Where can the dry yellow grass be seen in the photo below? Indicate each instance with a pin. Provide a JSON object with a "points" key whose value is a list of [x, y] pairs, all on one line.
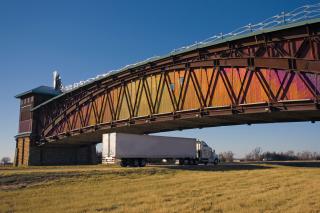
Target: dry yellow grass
{"points": [[224, 188]]}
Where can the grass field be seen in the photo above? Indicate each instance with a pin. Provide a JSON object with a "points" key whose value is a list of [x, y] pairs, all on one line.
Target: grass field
{"points": [[276, 187]]}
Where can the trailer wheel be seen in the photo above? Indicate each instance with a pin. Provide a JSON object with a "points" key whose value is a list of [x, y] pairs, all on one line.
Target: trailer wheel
{"points": [[131, 162], [136, 162], [123, 163], [194, 162], [142, 162], [189, 162], [181, 161]]}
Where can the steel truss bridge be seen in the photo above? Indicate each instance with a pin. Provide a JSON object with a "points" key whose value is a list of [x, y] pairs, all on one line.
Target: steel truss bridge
{"points": [[261, 76]]}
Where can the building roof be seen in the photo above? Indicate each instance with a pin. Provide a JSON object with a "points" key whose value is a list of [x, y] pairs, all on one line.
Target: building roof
{"points": [[42, 90]]}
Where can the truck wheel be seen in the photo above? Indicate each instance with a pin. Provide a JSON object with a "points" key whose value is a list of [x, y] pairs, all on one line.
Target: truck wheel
{"points": [[123, 163], [196, 162], [142, 162], [131, 162], [216, 161], [136, 163], [190, 162], [181, 161]]}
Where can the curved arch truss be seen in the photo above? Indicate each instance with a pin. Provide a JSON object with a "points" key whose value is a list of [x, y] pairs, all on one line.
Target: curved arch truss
{"points": [[270, 77]]}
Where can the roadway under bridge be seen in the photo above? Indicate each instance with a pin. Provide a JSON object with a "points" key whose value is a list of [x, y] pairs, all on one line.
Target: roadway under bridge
{"points": [[265, 76]]}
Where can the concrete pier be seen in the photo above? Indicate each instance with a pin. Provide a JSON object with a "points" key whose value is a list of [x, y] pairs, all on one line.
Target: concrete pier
{"points": [[29, 154]]}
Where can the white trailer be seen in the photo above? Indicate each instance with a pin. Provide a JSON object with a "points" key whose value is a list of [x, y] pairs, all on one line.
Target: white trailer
{"points": [[137, 150]]}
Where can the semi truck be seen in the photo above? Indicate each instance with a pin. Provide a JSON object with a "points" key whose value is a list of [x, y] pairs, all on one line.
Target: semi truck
{"points": [[137, 150]]}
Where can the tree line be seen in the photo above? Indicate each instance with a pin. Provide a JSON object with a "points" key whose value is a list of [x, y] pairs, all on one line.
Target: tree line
{"points": [[258, 155]]}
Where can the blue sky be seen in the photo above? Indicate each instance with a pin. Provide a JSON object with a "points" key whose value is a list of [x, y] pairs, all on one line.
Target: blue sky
{"points": [[84, 38]]}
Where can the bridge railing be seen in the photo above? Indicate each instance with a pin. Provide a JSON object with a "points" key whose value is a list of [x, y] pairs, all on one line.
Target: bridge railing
{"points": [[303, 13]]}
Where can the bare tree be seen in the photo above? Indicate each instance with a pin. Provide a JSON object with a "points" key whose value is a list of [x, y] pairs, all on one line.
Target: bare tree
{"points": [[249, 157], [305, 155], [290, 153], [226, 156], [221, 157], [315, 156], [5, 160], [255, 154]]}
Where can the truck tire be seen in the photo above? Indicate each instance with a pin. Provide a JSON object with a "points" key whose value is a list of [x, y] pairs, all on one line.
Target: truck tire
{"points": [[194, 162], [181, 161], [134, 162], [131, 162], [137, 162], [216, 161], [142, 162], [190, 162], [123, 163]]}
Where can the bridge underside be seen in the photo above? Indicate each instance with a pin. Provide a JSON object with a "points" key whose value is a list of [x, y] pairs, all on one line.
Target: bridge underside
{"points": [[224, 117]]}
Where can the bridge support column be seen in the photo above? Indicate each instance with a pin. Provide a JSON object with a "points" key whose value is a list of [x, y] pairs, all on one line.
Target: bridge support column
{"points": [[22, 151], [29, 154]]}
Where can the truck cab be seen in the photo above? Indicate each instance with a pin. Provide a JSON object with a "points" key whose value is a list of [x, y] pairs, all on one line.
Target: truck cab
{"points": [[206, 154]]}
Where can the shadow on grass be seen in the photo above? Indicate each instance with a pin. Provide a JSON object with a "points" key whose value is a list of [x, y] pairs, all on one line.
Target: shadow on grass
{"points": [[17, 181], [220, 167], [306, 164]]}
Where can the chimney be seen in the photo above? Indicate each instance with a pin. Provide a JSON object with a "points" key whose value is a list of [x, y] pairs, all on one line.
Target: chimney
{"points": [[57, 84]]}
